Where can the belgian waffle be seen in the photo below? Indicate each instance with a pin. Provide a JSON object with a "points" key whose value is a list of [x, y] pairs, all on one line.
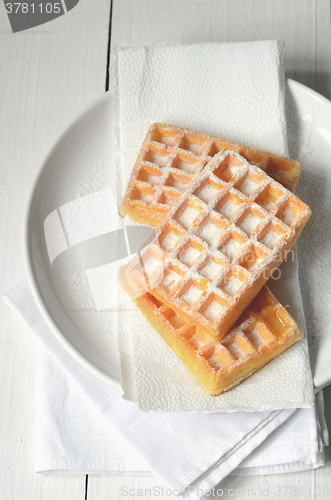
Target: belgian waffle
{"points": [[220, 243], [263, 332], [169, 159]]}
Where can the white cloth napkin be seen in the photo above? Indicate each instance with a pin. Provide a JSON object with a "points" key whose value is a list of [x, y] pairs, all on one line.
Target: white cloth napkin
{"points": [[84, 426], [236, 91]]}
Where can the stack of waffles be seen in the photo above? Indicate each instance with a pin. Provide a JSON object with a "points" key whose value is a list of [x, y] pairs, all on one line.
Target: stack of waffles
{"points": [[225, 217]]}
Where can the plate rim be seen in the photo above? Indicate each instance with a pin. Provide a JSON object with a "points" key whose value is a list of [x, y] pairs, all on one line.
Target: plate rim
{"points": [[297, 86]]}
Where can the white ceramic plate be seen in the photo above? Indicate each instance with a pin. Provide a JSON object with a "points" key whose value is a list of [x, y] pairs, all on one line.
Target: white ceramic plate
{"points": [[77, 165], [63, 195]]}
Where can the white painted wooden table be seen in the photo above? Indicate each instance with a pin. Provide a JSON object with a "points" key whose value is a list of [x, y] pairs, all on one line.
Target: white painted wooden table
{"points": [[47, 74]]}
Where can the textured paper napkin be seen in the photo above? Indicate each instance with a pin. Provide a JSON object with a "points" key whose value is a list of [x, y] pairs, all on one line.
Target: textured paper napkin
{"points": [[235, 91]]}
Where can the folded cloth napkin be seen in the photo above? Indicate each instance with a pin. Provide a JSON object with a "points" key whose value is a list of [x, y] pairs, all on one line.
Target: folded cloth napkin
{"points": [[84, 426], [231, 90]]}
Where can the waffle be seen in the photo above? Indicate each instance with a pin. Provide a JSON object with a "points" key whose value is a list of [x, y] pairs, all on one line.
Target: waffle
{"points": [[220, 243], [263, 332], [169, 159]]}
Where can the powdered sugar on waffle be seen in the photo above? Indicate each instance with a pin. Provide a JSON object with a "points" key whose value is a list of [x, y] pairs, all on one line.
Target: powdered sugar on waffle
{"points": [[230, 240], [171, 157]]}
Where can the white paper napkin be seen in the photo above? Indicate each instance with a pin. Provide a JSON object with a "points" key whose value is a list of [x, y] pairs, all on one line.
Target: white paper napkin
{"points": [[83, 426], [235, 91]]}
